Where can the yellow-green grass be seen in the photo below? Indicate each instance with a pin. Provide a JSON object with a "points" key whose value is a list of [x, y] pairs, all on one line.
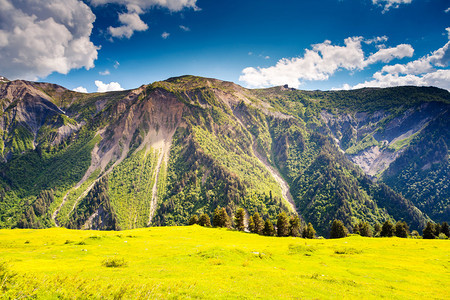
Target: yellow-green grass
{"points": [[197, 262]]}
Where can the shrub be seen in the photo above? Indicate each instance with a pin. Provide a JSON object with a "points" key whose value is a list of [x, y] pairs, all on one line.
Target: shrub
{"points": [[114, 262]]}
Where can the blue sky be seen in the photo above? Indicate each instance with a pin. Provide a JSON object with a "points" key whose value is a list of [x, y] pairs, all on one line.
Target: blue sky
{"points": [[101, 45]]}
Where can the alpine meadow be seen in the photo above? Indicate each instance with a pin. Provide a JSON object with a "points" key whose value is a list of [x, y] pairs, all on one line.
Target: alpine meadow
{"points": [[306, 157]]}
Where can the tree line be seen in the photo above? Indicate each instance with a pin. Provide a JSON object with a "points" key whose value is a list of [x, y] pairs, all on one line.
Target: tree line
{"points": [[292, 226]]}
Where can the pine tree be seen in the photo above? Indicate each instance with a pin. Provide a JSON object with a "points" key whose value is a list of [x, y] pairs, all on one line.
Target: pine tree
{"points": [[204, 220], [401, 229], [338, 230], [377, 229], [282, 225], [268, 228], [193, 220], [294, 226], [259, 223], [239, 219], [309, 232], [428, 231], [365, 229], [445, 229], [221, 218], [251, 224], [387, 230]]}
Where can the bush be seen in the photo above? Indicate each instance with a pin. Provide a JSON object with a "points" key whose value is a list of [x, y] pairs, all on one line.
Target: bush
{"points": [[442, 236], [114, 262]]}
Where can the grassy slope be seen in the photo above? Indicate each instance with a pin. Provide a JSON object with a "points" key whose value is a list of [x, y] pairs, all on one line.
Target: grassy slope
{"points": [[196, 262]]}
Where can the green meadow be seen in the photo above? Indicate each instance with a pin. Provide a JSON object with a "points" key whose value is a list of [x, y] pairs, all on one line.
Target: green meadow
{"points": [[196, 262]]}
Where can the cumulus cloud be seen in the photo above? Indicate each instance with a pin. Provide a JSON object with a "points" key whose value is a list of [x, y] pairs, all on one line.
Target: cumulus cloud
{"points": [[429, 70], [80, 89], [320, 62], [165, 35], [131, 20], [388, 4], [107, 87], [38, 37], [131, 23]]}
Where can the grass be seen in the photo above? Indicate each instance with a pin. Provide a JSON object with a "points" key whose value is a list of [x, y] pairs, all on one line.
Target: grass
{"points": [[196, 262]]}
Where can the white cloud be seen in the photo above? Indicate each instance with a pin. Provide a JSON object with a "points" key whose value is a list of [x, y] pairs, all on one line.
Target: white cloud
{"points": [[38, 37], [447, 10], [104, 73], [80, 89], [172, 5], [131, 23], [388, 54], [376, 40], [184, 28], [116, 64], [131, 20], [165, 35], [388, 4], [429, 70], [107, 87], [320, 62]]}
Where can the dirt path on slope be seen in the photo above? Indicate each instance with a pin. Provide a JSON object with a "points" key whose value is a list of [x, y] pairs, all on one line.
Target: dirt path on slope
{"points": [[279, 179]]}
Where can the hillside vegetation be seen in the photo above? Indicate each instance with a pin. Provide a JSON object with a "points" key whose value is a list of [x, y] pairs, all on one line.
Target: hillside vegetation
{"points": [[158, 154], [196, 262]]}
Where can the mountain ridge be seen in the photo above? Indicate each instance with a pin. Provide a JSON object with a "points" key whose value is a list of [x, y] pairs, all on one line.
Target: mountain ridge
{"points": [[200, 143]]}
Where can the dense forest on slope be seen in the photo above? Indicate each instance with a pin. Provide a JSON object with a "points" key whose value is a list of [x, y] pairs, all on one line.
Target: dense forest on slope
{"points": [[158, 154]]}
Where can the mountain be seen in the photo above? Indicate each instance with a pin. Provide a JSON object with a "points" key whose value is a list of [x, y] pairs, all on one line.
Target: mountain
{"points": [[157, 154]]}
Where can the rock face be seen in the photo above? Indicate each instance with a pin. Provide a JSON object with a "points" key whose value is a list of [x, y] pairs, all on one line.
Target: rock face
{"points": [[157, 154], [373, 141]]}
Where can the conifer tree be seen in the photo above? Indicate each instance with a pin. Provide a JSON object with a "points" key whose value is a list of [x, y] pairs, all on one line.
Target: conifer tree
{"points": [[365, 229], [259, 223], [377, 229], [221, 218], [309, 232], [338, 230], [268, 228], [428, 231], [445, 229], [204, 220], [282, 225], [251, 224], [239, 219], [294, 226], [387, 230], [401, 229], [193, 220]]}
